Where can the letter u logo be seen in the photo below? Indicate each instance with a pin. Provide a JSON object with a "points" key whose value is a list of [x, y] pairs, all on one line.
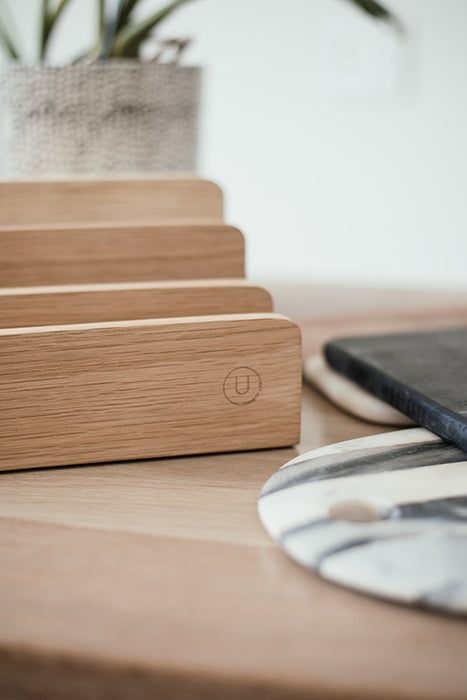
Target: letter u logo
{"points": [[242, 384]]}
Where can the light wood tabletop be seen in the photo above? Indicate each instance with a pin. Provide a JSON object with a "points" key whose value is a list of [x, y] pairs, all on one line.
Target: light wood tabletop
{"points": [[155, 579]]}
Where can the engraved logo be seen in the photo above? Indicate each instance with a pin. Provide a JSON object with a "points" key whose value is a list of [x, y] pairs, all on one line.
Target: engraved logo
{"points": [[242, 385]]}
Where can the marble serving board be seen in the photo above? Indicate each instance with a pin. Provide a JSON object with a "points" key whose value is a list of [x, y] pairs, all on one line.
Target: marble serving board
{"points": [[348, 396], [386, 515]]}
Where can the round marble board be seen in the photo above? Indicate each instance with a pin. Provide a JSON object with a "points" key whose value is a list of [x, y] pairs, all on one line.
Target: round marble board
{"points": [[386, 515]]}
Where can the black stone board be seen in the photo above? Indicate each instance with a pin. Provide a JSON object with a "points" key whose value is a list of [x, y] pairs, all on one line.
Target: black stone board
{"points": [[423, 375]]}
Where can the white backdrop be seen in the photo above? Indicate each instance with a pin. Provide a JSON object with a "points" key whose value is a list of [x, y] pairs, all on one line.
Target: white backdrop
{"points": [[341, 148]]}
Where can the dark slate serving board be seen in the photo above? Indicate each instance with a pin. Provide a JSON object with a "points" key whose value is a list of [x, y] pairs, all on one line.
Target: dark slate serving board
{"points": [[423, 375]]}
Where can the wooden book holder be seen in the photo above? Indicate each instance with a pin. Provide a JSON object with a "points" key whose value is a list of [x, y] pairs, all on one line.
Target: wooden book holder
{"points": [[125, 331], [105, 254], [94, 303], [116, 200], [126, 390]]}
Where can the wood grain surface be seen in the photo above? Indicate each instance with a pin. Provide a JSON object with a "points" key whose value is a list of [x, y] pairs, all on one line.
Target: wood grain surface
{"points": [[115, 200], [42, 306], [155, 579], [96, 392], [105, 254]]}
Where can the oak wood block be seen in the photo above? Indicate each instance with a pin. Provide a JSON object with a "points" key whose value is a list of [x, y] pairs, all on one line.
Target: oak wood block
{"points": [[133, 200], [49, 306], [138, 389], [105, 254]]}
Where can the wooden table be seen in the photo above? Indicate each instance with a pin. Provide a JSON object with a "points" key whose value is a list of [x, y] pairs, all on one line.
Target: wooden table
{"points": [[155, 579]]}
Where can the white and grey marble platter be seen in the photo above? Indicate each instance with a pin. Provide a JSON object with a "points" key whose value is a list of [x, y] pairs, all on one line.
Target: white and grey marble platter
{"points": [[386, 515], [346, 394]]}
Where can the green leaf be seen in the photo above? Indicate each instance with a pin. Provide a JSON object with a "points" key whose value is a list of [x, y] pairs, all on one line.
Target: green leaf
{"points": [[379, 12], [127, 12], [6, 38], [50, 14], [111, 12], [129, 39]]}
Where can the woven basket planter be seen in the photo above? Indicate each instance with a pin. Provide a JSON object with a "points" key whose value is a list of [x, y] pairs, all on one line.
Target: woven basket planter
{"points": [[113, 117]]}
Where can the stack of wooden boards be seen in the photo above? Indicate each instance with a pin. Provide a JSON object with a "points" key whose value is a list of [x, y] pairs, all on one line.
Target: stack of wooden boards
{"points": [[128, 331]]}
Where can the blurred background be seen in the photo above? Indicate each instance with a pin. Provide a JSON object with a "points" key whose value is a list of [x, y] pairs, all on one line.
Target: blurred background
{"points": [[340, 145]]}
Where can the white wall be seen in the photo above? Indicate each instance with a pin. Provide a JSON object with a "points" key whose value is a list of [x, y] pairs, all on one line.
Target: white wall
{"points": [[341, 148]]}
